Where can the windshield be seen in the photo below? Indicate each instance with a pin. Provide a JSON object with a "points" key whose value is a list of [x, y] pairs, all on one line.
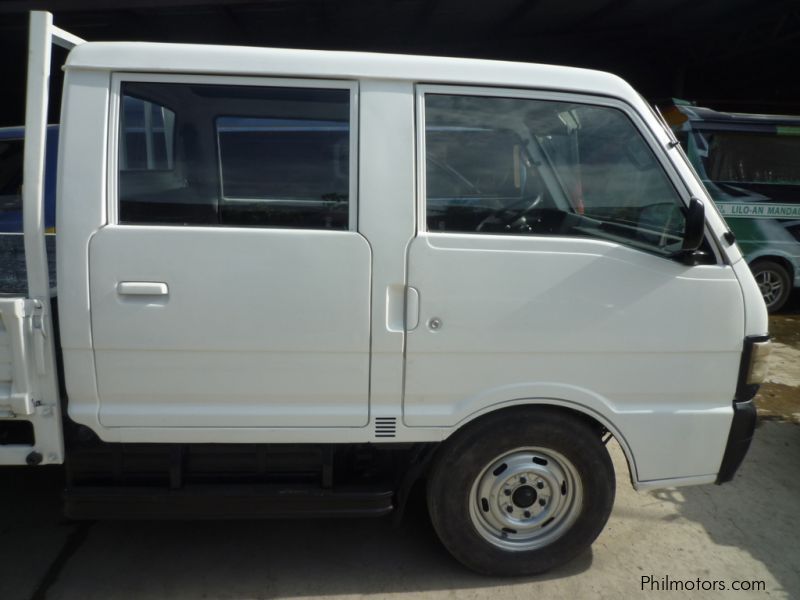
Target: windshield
{"points": [[752, 157]]}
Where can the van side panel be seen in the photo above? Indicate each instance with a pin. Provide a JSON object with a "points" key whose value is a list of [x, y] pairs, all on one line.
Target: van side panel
{"points": [[386, 219], [583, 322], [257, 328], [80, 212], [631, 370]]}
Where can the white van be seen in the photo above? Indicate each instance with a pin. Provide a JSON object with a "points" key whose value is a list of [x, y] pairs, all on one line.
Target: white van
{"points": [[294, 283]]}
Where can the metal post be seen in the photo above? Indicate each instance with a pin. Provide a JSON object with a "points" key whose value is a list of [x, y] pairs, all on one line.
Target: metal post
{"points": [[46, 417], [36, 100], [42, 35]]}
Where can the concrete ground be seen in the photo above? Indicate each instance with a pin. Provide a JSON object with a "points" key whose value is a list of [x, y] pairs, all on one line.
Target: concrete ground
{"points": [[745, 530]]}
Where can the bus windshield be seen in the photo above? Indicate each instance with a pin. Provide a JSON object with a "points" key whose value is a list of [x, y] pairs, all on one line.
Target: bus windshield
{"points": [[745, 157]]}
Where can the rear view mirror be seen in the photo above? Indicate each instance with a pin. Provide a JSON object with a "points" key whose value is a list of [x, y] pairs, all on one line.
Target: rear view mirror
{"points": [[695, 225], [693, 232]]}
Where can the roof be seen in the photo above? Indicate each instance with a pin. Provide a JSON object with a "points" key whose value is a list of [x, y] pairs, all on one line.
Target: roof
{"points": [[247, 61]]}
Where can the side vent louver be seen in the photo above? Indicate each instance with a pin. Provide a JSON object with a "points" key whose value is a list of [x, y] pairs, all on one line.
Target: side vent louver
{"points": [[385, 427]]}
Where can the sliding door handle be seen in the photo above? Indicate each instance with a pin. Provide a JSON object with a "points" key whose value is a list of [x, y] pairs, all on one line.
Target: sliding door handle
{"points": [[142, 288]]}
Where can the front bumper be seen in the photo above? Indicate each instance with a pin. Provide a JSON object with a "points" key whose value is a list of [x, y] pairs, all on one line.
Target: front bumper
{"points": [[744, 411], [739, 438]]}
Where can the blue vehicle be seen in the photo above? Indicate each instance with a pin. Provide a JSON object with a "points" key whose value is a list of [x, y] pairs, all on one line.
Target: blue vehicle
{"points": [[12, 249]]}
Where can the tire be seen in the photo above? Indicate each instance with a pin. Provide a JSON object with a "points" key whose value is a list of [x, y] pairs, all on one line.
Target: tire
{"points": [[774, 281], [558, 508]]}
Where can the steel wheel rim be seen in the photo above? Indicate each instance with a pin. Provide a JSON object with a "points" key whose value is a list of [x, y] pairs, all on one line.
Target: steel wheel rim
{"points": [[525, 499], [770, 284]]}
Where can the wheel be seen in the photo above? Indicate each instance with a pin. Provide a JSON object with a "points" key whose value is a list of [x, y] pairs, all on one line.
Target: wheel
{"points": [[521, 491], [774, 282]]}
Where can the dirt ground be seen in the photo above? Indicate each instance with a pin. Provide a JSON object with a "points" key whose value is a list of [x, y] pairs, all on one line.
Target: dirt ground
{"points": [[779, 397]]}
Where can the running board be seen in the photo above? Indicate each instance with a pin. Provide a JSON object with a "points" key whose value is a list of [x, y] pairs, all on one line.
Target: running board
{"points": [[225, 502]]}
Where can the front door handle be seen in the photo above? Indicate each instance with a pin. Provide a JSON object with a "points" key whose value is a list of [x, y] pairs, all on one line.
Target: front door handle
{"points": [[412, 308], [142, 288]]}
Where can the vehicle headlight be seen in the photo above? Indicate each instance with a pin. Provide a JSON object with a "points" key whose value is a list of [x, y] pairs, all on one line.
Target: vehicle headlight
{"points": [[758, 367]]}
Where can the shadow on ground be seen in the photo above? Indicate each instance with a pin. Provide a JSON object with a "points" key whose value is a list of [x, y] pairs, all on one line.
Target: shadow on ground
{"points": [[242, 559], [759, 512]]}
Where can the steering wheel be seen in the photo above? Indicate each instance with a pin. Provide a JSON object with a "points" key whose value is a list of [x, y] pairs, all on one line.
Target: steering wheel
{"points": [[510, 217]]}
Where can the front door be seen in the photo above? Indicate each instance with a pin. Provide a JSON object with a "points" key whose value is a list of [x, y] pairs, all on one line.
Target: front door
{"points": [[545, 268], [231, 288]]}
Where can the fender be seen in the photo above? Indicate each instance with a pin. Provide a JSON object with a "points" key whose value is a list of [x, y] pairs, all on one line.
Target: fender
{"points": [[570, 397]]}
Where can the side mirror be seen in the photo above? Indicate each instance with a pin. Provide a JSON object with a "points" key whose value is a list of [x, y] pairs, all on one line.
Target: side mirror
{"points": [[694, 232]]}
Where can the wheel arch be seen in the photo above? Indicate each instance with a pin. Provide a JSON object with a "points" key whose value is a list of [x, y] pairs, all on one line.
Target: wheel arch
{"points": [[598, 422], [778, 262], [776, 258]]}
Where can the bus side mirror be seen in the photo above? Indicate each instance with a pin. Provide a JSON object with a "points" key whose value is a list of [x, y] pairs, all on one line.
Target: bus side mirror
{"points": [[693, 232]]}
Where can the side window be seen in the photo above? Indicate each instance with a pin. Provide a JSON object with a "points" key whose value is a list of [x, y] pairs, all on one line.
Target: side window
{"points": [[284, 172], [235, 156], [537, 167], [148, 131]]}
